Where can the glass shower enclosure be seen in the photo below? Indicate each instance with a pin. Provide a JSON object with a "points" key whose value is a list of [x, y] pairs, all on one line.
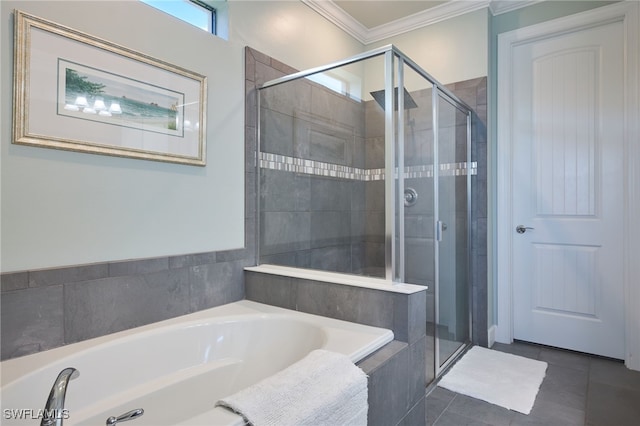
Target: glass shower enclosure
{"points": [[358, 176]]}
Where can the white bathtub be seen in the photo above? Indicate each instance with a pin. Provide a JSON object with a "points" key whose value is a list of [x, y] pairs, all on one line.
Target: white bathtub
{"points": [[177, 369]]}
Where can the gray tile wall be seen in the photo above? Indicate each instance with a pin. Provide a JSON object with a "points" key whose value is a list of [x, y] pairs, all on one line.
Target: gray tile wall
{"points": [[312, 221], [419, 218], [45, 309], [402, 313], [396, 384], [474, 93], [371, 248], [338, 224], [397, 372]]}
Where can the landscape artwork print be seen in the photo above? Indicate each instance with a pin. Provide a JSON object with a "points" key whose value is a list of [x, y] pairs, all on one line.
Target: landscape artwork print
{"points": [[90, 94]]}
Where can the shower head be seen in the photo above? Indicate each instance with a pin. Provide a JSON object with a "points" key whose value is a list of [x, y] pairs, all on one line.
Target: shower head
{"points": [[409, 103]]}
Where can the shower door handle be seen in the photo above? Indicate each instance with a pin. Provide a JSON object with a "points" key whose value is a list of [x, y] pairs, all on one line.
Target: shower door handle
{"points": [[440, 227]]}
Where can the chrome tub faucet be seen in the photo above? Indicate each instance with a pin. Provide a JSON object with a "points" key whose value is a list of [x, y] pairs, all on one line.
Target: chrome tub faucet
{"points": [[54, 411]]}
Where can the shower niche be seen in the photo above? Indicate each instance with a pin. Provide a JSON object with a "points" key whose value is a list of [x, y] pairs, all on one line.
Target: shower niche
{"points": [[358, 177]]}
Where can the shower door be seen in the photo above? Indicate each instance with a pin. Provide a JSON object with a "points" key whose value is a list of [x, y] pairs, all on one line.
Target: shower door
{"points": [[452, 229], [433, 212]]}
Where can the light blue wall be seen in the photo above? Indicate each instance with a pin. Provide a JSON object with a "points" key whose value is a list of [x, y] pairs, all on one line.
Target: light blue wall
{"points": [[445, 52], [64, 208], [61, 208]]}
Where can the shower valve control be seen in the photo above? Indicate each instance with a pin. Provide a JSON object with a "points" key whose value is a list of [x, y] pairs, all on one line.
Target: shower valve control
{"points": [[410, 197]]}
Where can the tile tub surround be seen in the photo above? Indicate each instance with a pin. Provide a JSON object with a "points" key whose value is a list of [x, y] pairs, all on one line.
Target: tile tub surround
{"points": [[397, 372], [403, 311], [45, 309], [396, 384]]}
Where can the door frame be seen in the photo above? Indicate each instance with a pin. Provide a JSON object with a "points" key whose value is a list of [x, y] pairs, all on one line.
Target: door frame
{"points": [[627, 12]]}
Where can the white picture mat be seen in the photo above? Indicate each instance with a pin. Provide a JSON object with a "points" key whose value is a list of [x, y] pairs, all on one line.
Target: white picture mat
{"points": [[41, 96]]}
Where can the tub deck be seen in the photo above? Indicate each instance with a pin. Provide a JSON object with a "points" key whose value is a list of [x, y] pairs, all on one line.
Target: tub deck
{"points": [[177, 369]]}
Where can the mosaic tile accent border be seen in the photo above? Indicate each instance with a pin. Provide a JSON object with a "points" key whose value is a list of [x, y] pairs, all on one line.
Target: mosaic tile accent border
{"points": [[319, 168], [459, 169]]}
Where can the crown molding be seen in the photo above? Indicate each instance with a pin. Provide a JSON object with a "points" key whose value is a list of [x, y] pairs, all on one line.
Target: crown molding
{"points": [[498, 7], [340, 18], [430, 16], [442, 12]]}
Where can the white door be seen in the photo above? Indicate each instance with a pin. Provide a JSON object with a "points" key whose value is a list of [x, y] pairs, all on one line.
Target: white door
{"points": [[567, 185]]}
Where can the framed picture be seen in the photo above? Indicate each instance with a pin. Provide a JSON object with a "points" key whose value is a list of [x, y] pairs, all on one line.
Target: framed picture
{"points": [[77, 92]]}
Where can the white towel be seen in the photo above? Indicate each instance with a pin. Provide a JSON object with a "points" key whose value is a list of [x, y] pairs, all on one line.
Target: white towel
{"points": [[324, 388]]}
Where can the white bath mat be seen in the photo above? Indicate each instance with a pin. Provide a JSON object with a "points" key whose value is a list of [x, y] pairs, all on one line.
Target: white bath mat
{"points": [[509, 381]]}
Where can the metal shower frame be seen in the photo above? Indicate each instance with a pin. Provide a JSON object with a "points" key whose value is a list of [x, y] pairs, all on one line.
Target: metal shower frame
{"points": [[394, 62]]}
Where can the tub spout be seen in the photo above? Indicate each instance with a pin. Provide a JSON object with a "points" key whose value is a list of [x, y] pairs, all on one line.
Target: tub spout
{"points": [[54, 409]]}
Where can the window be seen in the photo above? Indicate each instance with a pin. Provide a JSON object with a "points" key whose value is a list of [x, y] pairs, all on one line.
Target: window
{"points": [[195, 12], [340, 81]]}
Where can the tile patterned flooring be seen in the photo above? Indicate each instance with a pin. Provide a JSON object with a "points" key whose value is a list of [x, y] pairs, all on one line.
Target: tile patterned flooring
{"points": [[577, 390]]}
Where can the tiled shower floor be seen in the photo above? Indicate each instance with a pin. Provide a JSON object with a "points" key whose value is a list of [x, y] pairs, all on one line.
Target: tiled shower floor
{"points": [[577, 390]]}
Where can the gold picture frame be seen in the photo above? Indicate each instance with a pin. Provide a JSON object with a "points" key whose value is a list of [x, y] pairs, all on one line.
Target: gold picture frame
{"points": [[77, 92]]}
